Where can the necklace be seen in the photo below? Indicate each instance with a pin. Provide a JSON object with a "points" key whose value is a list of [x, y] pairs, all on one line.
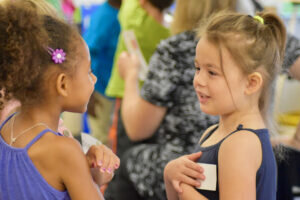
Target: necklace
{"points": [[13, 139]]}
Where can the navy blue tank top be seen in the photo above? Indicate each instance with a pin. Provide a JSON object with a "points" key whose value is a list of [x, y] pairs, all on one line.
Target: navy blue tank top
{"points": [[19, 178], [266, 174]]}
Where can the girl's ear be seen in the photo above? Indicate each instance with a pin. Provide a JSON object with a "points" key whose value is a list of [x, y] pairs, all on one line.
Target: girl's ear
{"points": [[62, 85], [254, 83]]}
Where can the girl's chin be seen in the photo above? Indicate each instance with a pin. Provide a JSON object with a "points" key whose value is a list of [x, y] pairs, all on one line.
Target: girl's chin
{"points": [[209, 111]]}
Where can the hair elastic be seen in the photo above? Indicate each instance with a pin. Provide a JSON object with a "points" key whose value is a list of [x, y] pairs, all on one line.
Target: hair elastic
{"points": [[58, 55], [259, 18]]}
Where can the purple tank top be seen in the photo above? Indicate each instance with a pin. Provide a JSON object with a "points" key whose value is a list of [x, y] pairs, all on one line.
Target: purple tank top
{"points": [[19, 178]]}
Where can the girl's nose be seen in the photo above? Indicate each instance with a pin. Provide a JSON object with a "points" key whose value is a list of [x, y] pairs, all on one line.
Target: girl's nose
{"points": [[200, 78]]}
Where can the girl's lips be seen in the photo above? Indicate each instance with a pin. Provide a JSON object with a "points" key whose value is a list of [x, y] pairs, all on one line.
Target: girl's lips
{"points": [[203, 98]]}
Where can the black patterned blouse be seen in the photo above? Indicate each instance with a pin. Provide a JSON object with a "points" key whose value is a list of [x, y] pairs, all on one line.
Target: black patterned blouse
{"points": [[292, 51], [169, 84]]}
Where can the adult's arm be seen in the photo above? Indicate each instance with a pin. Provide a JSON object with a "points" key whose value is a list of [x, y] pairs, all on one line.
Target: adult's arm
{"points": [[295, 69], [292, 56], [140, 117]]}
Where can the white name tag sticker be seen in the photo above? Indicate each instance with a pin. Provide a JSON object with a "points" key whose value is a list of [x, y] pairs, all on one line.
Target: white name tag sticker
{"points": [[210, 182]]}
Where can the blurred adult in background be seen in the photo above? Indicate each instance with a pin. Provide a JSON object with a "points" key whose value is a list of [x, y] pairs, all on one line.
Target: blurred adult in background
{"points": [[167, 108], [145, 19], [102, 38]]}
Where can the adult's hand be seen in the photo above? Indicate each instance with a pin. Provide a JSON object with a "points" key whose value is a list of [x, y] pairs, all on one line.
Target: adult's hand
{"points": [[129, 65]]}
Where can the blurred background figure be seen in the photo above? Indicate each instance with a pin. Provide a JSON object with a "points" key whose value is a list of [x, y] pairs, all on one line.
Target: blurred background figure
{"points": [[166, 112], [102, 38], [145, 19]]}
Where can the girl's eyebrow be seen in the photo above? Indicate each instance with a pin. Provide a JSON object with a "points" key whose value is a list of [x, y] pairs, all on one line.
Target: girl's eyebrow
{"points": [[207, 65], [211, 66]]}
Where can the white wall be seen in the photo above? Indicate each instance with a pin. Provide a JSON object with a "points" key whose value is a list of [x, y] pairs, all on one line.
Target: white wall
{"points": [[87, 2]]}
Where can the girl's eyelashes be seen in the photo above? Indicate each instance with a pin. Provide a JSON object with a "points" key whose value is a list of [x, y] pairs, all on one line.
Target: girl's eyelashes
{"points": [[197, 68], [212, 73]]}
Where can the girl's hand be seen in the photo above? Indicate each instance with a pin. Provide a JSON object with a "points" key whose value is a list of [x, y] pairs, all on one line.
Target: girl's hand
{"points": [[103, 163], [128, 65], [184, 170]]}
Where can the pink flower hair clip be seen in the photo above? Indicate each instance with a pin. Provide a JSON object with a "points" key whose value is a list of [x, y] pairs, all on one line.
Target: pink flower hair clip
{"points": [[58, 55]]}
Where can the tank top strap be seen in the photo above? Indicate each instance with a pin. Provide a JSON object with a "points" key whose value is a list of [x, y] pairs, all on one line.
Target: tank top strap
{"points": [[208, 135], [39, 136], [239, 128], [6, 120]]}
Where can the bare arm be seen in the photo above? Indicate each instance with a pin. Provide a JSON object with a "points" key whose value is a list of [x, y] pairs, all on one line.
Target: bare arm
{"points": [[237, 169], [190, 193], [170, 190], [292, 56], [75, 172], [140, 117], [295, 69], [182, 170]]}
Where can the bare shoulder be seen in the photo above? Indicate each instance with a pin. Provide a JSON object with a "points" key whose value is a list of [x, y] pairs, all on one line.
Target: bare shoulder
{"points": [[67, 149], [208, 130], [59, 150], [241, 148], [242, 139]]}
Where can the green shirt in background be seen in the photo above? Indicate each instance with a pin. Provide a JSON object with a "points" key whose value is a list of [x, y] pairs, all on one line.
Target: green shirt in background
{"points": [[57, 5], [148, 33]]}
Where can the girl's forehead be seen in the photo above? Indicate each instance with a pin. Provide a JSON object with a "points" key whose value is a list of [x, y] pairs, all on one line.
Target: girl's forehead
{"points": [[207, 52], [205, 47], [83, 50], [217, 56]]}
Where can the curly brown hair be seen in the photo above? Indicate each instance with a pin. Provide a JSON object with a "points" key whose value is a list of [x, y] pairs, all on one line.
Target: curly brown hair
{"points": [[25, 36]]}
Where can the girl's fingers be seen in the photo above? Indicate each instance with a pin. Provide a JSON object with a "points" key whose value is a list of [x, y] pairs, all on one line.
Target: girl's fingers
{"points": [[91, 162], [111, 167], [99, 156], [194, 156], [116, 162], [176, 185], [190, 181], [92, 156], [106, 161], [194, 166], [194, 174]]}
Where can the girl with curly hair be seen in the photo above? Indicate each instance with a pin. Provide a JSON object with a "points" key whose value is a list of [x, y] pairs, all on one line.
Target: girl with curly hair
{"points": [[45, 65]]}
